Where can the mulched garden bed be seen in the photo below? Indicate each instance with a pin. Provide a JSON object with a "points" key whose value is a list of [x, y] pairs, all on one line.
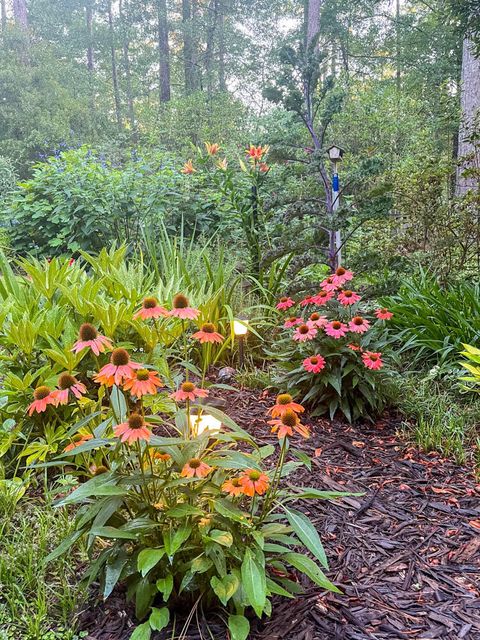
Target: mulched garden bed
{"points": [[406, 554]]}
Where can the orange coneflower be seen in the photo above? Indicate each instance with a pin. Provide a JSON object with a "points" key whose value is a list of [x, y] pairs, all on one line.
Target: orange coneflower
{"points": [[134, 429], [287, 424], [212, 148], [42, 397], [91, 339], [77, 440], [253, 482], [119, 369], [143, 382], [150, 309], [188, 391], [208, 333], [284, 402], [232, 486], [68, 385], [181, 308], [195, 468], [188, 168]]}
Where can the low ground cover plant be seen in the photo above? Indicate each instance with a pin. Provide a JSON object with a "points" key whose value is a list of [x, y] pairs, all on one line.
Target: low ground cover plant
{"points": [[330, 350]]}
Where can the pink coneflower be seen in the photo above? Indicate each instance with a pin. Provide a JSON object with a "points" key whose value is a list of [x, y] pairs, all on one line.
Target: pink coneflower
{"points": [[77, 440], [292, 322], [134, 429], [383, 314], [284, 402], [341, 276], [372, 360], [188, 391], [42, 397], [322, 297], [358, 325], [329, 284], [68, 385], [305, 332], [336, 329], [306, 301], [195, 468], [181, 308], [119, 369], [354, 347], [91, 339], [143, 382], [348, 297], [150, 309], [317, 320], [314, 364], [285, 303], [208, 333]]}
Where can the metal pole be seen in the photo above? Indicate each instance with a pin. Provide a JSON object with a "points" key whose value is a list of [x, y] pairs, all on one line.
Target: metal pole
{"points": [[335, 206], [241, 352]]}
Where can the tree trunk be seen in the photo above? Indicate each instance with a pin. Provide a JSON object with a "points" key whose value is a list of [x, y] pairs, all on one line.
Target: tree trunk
{"points": [[89, 25], [222, 83], [313, 19], [212, 25], [3, 10], [113, 58], [20, 14], [128, 75], [188, 64], [163, 51], [470, 103]]}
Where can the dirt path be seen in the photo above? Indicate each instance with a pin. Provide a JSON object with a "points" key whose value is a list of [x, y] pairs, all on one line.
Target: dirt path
{"points": [[406, 554]]}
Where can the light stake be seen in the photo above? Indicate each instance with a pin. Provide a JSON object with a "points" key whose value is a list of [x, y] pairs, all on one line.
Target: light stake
{"points": [[240, 329]]}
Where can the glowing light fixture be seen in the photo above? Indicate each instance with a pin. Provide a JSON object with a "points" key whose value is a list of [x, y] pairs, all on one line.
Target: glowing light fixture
{"points": [[200, 422]]}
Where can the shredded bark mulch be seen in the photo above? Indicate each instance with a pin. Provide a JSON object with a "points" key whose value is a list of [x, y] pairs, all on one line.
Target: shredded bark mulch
{"points": [[406, 554]]}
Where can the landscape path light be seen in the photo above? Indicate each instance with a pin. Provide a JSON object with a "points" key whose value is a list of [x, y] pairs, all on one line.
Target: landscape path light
{"points": [[201, 421], [240, 329], [336, 155]]}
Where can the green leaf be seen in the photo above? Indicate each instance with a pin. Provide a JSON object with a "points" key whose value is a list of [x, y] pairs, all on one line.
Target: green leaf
{"points": [[306, 492], [224, 538], [159, 618], [228, 510], [119, 404], [307, 533], [224, 587], [173, 540], [165, 586], [112, 532], [64, 546], [200, 564], [307, 566], [273, 587], [254, 583], [113, 571], [183, 510], [239, 627], [148, 558], [142, 632]]}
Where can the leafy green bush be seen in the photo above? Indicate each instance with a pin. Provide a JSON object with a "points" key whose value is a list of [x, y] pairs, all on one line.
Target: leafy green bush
{"points": [[431, 322], [333, 360]]}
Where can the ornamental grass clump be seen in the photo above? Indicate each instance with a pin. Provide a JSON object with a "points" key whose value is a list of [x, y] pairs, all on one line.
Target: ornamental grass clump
{"points": [[331, 350], [187, 520]]}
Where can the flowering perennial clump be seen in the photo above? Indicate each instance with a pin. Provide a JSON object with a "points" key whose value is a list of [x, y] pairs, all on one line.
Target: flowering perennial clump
{"points": [[338, 344]]}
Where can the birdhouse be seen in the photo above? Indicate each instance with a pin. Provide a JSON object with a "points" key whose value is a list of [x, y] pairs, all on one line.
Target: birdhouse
{"points": [[335, 153]]}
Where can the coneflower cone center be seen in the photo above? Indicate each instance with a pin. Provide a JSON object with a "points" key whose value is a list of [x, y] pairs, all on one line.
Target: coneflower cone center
{"points": [[194, 463], [303, 329], [373, 357], [99, 470], [313, 360], [180, 301], [348, 293], [235, 482], [120, 357], [357, 320], [88, 332], [208, 327], [142, 374], [254, 475], [284, 398], [340, 271], [289, 418], [188, 387], [41, 392], [135, 421], [66, 381], [336, 324], [315, 316], [283, 299], [149, 303]]}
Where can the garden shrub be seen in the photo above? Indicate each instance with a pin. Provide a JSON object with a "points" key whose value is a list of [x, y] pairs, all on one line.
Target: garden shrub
{"points": [[186, 517], [330, 352]]}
